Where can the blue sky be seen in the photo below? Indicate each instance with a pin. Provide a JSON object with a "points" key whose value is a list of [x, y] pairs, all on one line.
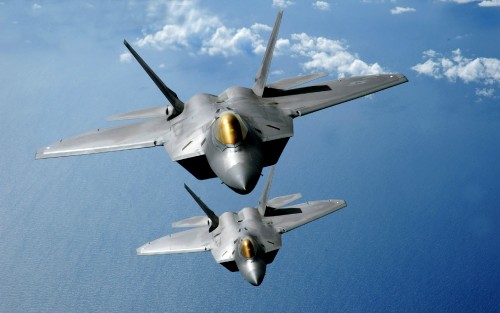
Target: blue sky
{"points": [[417, 164]]}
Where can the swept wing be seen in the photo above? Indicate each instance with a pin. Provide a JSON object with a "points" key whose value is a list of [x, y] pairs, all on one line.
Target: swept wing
{"points": [[192, 240], [302, 101], [304, 213], [148, 133]]}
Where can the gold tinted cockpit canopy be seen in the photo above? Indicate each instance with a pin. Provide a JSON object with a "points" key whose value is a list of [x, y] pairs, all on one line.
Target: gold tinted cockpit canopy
{"points": [[230, 130], [247, 248]]}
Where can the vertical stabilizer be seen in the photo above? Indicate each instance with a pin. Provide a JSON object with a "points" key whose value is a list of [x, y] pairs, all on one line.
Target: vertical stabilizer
{"points": [[167, 92], [261, 77], [265, 193], [211, 215]]}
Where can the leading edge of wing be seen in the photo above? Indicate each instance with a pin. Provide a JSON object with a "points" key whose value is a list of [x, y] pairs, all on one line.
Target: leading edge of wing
{"points": [[192, 240], [302, 101], [148, 133]]}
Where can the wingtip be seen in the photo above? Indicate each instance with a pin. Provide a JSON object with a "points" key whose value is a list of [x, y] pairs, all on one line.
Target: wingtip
{"points": [[402, 77], [40, 154]]}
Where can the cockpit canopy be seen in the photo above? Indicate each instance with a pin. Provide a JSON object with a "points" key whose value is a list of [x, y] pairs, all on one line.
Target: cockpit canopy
{"points": [[230, 129], [247, 248]]}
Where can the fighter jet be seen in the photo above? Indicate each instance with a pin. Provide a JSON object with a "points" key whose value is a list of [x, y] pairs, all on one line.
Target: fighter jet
{"points": [[231, 136], [245, 241]]}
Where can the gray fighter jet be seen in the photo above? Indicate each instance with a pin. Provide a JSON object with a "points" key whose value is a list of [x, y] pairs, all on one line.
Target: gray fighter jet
{"points": [[231, 136], [245, 241]]}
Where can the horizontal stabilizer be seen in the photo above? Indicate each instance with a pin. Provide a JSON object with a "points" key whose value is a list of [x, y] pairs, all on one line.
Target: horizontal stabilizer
{"points": [[279, 202], [214, 219], [192, 240], [290, 82], [195, 221], [143, 113], [279, 212], [309, 212]]}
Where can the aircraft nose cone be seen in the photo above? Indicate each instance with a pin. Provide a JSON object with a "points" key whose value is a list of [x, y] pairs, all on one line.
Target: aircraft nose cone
{"points": [[255, 277], [242, 178]]}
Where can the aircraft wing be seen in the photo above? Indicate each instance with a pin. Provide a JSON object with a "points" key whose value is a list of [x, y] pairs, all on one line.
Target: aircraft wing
{"points": [[303, 213], [305, 100], [148, 133], [192, 240]]}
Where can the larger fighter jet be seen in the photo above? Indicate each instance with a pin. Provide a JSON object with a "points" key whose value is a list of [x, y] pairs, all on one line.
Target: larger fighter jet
{"points": [[232, 135], [245, 241]]}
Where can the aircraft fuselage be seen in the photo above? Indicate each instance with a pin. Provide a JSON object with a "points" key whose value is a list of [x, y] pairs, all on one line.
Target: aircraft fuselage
{"points": [[233, 148], [240, 243]]}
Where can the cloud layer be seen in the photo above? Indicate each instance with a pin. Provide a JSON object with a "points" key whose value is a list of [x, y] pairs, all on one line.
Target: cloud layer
{"points": [[200, 32], [331, 56], [481, 70]]}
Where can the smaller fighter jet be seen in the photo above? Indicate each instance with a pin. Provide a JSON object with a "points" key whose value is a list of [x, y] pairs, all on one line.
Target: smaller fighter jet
{"points": [[244, 241]]}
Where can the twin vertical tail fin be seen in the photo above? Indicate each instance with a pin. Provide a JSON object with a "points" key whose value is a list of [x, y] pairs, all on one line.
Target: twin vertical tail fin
{"points": [[261, 76], [171, 96], [265, 193], [274, 206], [211, 215]]}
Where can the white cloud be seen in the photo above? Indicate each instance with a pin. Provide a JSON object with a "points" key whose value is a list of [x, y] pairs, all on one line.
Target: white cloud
{"points": [[282, 3], [485, 92], [331, 55], [321, 5], [489, 3], [282, 45], [185, 23], [479, 70], [257, 27], [400, 10], [460, 1], [198, 31], [125, 57], [430, 53], [429, 68], [188, 26], [230, 41], [481, 3], [36, 6]]}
